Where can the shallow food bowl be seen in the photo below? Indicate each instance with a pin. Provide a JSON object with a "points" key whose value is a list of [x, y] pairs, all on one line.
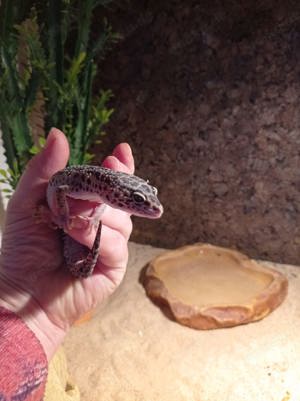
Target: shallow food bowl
{"points": [[209, 287]]}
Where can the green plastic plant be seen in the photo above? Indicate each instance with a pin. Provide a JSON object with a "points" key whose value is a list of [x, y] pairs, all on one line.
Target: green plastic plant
{"points": [[47, 70]]}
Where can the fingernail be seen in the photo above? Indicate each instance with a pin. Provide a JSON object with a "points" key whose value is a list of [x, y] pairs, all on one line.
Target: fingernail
{"points": [[129, 147], [129, 150], [51, 138]]}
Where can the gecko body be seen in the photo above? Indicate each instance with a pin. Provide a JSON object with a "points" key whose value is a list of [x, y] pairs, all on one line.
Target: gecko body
{"points": [[101, 186]]}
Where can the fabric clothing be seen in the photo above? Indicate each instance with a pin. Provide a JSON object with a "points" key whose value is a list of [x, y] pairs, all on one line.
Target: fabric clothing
{"points": [[23, 362]]}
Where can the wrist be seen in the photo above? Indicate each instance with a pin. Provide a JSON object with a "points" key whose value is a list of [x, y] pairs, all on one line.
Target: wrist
{"points": [[23, 304], [49, 335]]}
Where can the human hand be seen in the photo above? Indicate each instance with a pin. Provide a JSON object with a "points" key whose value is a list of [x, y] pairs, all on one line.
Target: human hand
{"points": [[33, 281]]}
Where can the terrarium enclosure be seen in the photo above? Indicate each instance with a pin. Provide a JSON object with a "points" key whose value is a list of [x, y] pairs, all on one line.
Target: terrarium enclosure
{"points": [[207, 95]]}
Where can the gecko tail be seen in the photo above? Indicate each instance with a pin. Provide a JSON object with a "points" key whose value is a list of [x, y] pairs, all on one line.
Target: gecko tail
{"points": [[80, 260]]}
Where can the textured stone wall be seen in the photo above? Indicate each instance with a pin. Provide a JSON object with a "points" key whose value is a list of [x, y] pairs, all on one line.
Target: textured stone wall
{"points": [[208, 98]]}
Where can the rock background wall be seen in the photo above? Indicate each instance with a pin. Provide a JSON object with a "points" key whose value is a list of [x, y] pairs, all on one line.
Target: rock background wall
{"points": [[208, 97]]}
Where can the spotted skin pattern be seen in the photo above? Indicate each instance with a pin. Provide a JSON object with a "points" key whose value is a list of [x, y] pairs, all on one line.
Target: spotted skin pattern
{"points": [[104, 187]]}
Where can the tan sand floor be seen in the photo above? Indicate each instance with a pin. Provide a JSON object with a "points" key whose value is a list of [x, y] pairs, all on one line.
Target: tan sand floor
{"points": [[131, 352]]}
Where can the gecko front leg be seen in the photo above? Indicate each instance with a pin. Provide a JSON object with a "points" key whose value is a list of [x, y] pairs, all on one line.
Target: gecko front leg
{"points": [[65, 220], [62, 215]]}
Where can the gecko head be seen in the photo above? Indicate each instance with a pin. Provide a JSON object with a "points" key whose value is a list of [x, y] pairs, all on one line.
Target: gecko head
{"points": [[135, 196], [146, 204]]}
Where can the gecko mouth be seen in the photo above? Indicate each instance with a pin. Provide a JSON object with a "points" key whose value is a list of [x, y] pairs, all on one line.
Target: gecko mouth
{"points": [[155, 212], [159, 211]]}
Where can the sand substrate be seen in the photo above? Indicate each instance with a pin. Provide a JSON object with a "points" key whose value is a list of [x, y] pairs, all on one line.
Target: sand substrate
{"points": [[130, 351]]}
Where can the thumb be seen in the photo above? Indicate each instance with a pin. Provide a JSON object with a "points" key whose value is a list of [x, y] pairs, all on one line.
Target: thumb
{"points": [[33, 182]]}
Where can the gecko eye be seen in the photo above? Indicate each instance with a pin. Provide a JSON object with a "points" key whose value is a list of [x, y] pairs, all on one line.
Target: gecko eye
{"points": [[138, 197]]}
